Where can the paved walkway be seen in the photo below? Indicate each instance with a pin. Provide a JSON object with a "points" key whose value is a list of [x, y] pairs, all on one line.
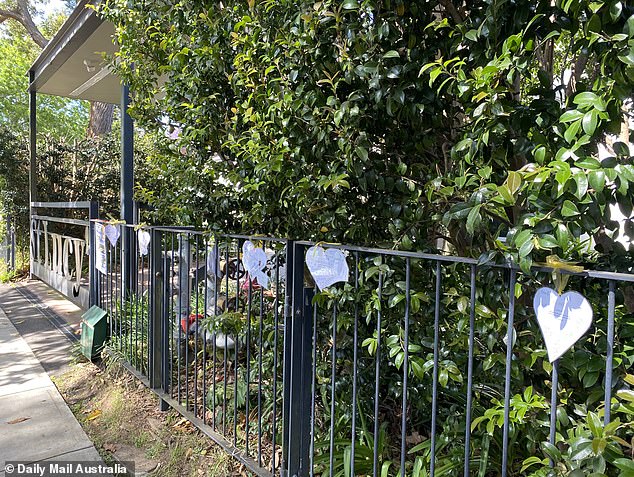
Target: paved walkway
{"points": [[35, 422]]}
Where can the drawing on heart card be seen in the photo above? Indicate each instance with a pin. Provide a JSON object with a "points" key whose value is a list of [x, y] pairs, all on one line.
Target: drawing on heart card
{"points": [[327, 266], [563, 319]]}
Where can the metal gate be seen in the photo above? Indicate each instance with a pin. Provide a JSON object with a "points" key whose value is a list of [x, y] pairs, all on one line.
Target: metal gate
{"points": [[60, 247]]}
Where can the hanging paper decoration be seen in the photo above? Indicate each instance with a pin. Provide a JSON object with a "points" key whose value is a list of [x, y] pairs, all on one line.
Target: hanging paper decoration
{"points": [[113, 233], [213, 262], [100, 249], [254, 261], [144, 241], [563, 319], [327, 266]]}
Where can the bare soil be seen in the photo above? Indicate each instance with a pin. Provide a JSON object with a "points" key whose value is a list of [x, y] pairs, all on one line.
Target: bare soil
{"points": [[121, 417]]}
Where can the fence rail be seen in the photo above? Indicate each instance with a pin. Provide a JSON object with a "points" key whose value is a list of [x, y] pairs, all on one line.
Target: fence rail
{"points": [[415, 364]]}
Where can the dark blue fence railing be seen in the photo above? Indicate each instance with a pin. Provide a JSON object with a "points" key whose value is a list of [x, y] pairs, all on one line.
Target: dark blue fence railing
{"points": [[396, 371]]}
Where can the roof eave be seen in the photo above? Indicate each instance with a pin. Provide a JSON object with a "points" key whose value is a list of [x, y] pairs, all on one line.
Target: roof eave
{"points": [[71, 35]]}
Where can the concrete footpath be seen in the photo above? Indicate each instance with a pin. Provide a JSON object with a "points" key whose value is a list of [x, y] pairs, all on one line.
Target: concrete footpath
{"points": [[35, 422]]}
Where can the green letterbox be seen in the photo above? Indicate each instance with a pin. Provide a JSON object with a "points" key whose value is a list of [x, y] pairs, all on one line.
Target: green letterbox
{"points": [[94, 328]]}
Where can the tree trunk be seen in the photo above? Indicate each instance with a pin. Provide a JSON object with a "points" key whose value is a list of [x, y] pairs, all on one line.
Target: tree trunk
{"points": [[101, 115]]}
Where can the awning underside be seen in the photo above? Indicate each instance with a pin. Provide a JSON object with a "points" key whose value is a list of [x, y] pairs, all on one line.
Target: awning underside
{"points": [[72, 64]]}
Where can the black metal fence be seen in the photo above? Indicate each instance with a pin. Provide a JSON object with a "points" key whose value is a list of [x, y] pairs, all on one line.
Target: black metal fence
{"points": [[417, 364]]}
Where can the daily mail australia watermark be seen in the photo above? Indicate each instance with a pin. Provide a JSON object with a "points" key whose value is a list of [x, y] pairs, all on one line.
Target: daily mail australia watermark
{"points": [[67, 469]]}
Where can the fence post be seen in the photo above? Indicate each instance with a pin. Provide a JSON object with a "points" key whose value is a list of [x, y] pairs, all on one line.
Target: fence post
{"points": [[93, 280], [297, 369], [156, 339], [12, 247], [32, 241], [7, 241]]}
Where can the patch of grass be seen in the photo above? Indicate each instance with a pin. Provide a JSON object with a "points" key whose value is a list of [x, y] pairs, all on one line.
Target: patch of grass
{"points": [[7, 276], [21, 268], [120, 415], [76, 355]]}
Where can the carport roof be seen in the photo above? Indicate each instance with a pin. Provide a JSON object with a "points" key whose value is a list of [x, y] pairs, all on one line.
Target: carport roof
{"points": [[72, 65]]}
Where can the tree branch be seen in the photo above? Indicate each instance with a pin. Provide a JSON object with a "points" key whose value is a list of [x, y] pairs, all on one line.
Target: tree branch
{"points": [[10, 14], [452, 10], [29, 24], [22, 15]]}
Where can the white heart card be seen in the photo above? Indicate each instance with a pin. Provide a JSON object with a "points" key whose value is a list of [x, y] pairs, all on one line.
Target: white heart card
{"points": [[327, 266], [144, 241], [213, 262], [254, 261], [563, 319], [113, 233]]}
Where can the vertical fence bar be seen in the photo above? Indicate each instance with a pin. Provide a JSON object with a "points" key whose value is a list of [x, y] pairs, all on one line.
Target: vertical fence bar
{"points": [[609, 358], [313, 389], [507, 378], [215, 257], [12, 244], [196, 324], [109, 288], [156, 328], [275, 357], [173, 340], [167, 329], [286, 366], [434, 402], [179, 321], [333, 376], [235, 369], [224, 351], [135, 296], [405, 367], [355, 344], [304, 402], [248, 364], [260, 344], [145, 308], [472, 307], [185, 294], [553, 406], [205, 331], [93, 214], [377, 372]]}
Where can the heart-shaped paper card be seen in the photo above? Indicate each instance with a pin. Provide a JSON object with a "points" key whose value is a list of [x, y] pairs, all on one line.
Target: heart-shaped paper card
{"points": [[327, 266], [112, 232], [213, 262], [144, 241], [254, 261], [563, 319]]}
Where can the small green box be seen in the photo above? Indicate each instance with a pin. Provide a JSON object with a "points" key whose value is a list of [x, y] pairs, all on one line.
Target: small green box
{"points": [[94, 328]]}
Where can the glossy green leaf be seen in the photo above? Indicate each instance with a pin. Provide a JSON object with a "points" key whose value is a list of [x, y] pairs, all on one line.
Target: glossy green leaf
{"points": [[581, 179], [569, 209], [571, 115], [589, 99], [589, 122], [596, 179], [514, 181], [571, 131], [473, 219]]}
